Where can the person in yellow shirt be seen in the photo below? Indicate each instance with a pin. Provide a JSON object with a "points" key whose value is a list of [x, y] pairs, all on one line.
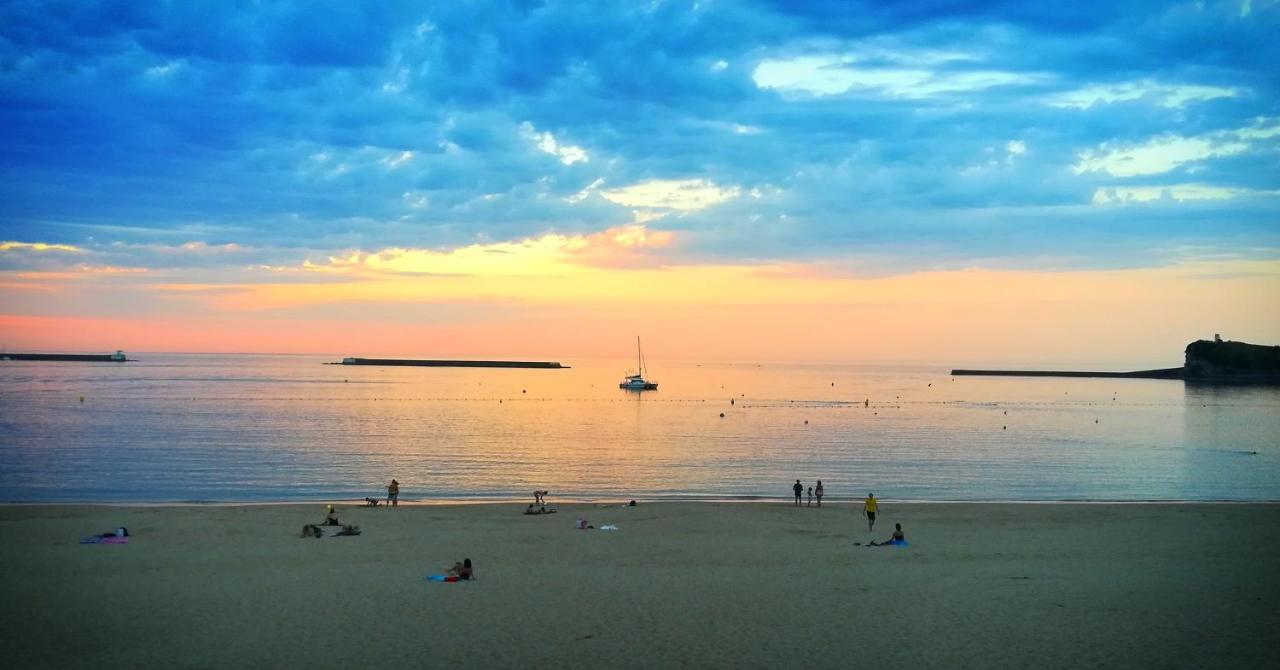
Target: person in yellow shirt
{"points": [[869, 508]]}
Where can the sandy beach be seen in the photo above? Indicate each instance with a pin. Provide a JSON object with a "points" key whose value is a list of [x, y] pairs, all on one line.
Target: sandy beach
{"points": [[677, 585]]}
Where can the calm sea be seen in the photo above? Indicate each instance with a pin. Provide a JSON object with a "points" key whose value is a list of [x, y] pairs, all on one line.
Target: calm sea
{"points": [[247, 428]]}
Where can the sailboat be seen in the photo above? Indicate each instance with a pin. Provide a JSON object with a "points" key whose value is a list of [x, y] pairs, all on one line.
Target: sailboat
{"points": [[637, 381]]}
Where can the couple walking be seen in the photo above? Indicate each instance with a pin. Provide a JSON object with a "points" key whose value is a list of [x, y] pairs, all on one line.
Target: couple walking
{"points": [[813, 491]]}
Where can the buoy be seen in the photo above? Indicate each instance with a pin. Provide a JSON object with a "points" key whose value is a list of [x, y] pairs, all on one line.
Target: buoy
{"points": [[1004, 428], [730, 401], [722, 415], [1095, 420], [930, 385], [81, 398], [523, 391], [806, 422]]}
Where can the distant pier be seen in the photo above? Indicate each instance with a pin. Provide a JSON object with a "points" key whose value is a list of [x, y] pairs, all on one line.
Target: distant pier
{"points": [[436, 363], [117, 357]]}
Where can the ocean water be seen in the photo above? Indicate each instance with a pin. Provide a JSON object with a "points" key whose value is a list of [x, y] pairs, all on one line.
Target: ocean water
{"points": [[252, 428]]}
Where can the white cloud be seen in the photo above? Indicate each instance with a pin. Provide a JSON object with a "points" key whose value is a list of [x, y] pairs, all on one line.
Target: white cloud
{"points": [[547, 143], [1167, 152], [907, 78], [1124, 195], [1156, 156], [163, 71], [396, 160], [719, 65], [1165, 95], [584, 193], [684, 195], [1016, 147], [38, 246], [415, 199]]}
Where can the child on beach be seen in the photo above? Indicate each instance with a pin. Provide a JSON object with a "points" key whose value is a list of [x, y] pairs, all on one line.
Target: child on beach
{"points": [[817, 491], [869, 510], [810, 501]]}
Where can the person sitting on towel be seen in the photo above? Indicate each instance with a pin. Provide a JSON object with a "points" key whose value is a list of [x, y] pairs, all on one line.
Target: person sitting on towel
{"points": [[897, 538], [462, 570]]}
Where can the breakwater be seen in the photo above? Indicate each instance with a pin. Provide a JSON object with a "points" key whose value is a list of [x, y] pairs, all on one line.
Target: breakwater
{"points": [[1163, 373], [439, 363]]}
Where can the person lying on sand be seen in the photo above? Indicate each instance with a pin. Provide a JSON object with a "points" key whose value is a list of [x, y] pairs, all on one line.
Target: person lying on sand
{"points": [[539, 510], [897, 538], [462, 570], [348, 530]]}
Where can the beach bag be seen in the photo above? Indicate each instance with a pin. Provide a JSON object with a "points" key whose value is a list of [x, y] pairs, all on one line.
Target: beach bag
{"points": [[582, 524]]}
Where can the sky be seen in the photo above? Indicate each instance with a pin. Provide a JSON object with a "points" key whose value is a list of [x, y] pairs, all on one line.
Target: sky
{"points": [[933, 182]]}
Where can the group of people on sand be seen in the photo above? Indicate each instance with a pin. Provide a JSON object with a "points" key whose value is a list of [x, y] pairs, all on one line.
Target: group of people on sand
{"points": [[870, 507], [814, 491], [539, 505], [330, 519]]}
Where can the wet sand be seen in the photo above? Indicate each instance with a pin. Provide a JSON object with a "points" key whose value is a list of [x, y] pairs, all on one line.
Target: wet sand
{"points": [[678, 585]]}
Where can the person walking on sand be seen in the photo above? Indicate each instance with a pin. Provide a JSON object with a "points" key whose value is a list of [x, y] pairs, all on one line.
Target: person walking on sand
{"points": [[798, 490], [817, 491], [393, 493], [869, 508]]}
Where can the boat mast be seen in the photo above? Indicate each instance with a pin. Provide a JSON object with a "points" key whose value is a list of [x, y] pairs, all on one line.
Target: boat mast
{"points": [[639, 358]]}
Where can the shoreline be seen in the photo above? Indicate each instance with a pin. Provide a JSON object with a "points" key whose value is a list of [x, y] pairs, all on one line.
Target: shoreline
{"points": [[612, 502]]}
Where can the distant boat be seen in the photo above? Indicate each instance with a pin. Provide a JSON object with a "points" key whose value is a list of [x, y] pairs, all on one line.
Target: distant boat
{"points": [[637, 381]]}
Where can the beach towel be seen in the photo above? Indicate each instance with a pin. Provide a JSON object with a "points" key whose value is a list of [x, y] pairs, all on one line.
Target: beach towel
{"points": [[98, 539], [443, 578], [608, 526]]}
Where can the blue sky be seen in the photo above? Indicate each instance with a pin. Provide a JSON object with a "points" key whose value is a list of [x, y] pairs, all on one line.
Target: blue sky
{"points": [[889, 137]]}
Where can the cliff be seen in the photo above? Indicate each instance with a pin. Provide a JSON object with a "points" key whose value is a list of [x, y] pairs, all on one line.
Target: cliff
{"points": [[1231, 360]]}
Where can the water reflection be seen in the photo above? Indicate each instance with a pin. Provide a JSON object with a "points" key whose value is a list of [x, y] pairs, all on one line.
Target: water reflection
{"points": [[286, 427]]}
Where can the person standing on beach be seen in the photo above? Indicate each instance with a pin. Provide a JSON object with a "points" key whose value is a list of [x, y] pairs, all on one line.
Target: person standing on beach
{"points": [[799, 490], [393, 493], [809, 503], [869, 510], [817, 491]]}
